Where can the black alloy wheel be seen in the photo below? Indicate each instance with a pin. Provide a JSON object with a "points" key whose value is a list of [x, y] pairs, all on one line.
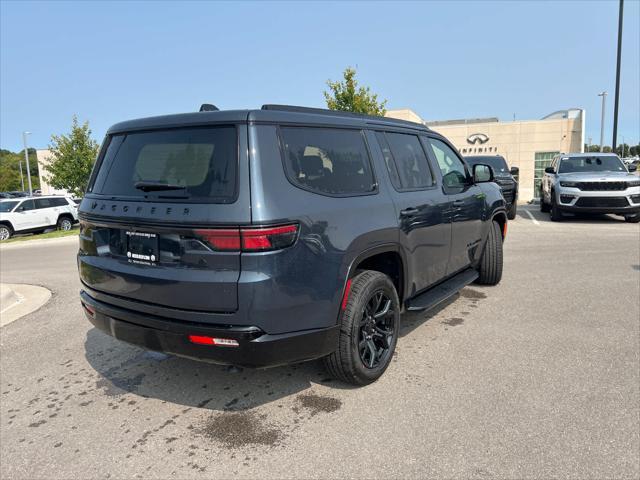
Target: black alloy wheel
{"points": [[377, 324]]}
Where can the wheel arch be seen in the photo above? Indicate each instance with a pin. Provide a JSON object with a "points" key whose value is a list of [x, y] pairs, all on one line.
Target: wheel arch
{"points": [[501, 218], [8, 224], [387, 259]]}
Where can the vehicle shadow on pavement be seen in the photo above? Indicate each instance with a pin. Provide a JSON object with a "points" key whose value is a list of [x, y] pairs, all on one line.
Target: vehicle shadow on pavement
{"points": [[412, 320], [124, 368]]}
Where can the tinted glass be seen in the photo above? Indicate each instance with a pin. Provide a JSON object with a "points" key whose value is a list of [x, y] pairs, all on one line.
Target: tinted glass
{"points": [[388, 160], [591, 164], [498, 164], [44, 202], [410, 160], [453, 171], [7, 206], [327, 160], [197, 163], [26, 205]]}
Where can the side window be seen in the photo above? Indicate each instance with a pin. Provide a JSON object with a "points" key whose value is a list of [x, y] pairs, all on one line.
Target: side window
{"points": [[454, 174], [327, 160], [59, 202], [410, 160], [26, 205], [388, 160], [44, 203]]}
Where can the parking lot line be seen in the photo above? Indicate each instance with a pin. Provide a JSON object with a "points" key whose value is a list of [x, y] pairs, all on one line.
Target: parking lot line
{"points": [[533, 219]]}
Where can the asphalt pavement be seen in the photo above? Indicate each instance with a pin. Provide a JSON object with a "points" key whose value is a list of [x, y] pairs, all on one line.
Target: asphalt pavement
{"points": [[535, 378]]}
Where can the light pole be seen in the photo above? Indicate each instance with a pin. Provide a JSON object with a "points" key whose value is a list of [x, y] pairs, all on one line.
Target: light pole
{"points": [[604, 98], [617, 97], [26, 158], [21, 176]]}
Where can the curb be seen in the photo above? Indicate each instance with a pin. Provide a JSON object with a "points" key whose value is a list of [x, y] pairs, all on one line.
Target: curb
{"points": [[18, 300], [39, 242]]}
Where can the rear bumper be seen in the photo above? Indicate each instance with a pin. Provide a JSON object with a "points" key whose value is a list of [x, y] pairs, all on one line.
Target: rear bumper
{"points": [[255, 348]]}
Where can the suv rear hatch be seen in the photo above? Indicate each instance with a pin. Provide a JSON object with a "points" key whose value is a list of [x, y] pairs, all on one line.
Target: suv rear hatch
{"points": [[160, 221]]}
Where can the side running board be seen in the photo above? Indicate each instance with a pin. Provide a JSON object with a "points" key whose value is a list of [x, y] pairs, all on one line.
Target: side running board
{"points": [[441, 292]]}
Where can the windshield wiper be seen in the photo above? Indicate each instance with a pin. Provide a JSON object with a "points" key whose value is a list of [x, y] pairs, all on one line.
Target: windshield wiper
{"points": [[157, 186]]}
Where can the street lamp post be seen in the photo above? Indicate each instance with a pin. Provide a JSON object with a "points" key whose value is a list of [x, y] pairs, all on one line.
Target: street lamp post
{"points": [[26, 159], [21, 176], [604, 98], [614, 141]]}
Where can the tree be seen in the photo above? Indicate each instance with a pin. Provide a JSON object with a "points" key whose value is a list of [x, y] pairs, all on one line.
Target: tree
{"points": [[347, 96], [10, 164], [72, 158]]}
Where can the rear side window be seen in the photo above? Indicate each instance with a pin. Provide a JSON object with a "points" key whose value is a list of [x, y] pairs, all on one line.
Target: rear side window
{"points": [[50, 202], [197, 164], [410, 160], [327, 160]]}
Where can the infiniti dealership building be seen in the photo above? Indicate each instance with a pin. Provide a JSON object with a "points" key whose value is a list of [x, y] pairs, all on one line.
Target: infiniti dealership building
{"points": [[527, 144]]}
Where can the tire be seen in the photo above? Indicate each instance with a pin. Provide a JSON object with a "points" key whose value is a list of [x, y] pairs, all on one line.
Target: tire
{"points": [[555, 213], [490, 268], [632, 218], [64, 223], [5, 232], [513, 210], [354, 361], [544, 207]]}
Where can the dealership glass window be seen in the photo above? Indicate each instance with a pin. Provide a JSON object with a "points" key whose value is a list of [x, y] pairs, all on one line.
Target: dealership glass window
{"points": [[542, 161]]}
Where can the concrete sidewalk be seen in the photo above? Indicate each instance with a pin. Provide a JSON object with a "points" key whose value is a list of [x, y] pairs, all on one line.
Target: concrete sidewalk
{"points": [[18, 300]]}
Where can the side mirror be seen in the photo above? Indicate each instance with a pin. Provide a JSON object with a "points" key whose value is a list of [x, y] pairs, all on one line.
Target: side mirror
{"points": [[549, 170], [482, 173], [514, 171], [632, 167]]}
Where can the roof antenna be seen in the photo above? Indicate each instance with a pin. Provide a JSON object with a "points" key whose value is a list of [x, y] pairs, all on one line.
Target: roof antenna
{"points": [[208, 107]]}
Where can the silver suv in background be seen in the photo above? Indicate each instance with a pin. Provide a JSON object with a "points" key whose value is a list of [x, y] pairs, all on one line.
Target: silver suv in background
{"points": [[590, 183], [36, 214]]}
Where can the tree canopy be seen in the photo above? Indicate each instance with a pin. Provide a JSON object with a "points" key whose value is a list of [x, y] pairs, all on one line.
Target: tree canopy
{"points": [[72, 158], [10, 170], [347, 96]]}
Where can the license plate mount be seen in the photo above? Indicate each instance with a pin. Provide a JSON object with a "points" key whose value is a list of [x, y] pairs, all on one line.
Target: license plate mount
{"points": [[142, 246]]}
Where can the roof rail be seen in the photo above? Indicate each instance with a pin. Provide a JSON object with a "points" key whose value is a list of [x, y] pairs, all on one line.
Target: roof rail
{"points": [[323, 111], [340, 113]]}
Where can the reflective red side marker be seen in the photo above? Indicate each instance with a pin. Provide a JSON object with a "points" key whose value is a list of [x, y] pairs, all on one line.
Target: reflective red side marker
{"points": [[345, 297], [218, 342]]}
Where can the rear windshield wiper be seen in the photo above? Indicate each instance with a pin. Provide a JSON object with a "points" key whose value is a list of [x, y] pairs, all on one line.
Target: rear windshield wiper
{"points": [[157, 186]]}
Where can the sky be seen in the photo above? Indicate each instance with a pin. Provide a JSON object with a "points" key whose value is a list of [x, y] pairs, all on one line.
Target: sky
{"points": [[110, 61]]}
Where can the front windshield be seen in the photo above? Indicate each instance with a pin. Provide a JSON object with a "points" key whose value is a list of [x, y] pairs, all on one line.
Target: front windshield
{"points": [[7, 206], [591, 164], [498, 164]]}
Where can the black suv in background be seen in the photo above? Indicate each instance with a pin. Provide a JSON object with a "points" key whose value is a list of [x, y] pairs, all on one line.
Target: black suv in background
{"points": [[265, 237], [504, 177]]}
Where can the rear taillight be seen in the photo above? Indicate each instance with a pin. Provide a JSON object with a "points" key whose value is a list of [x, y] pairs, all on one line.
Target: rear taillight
{"points": [[249, 239], [271, 238], [221, 239]]}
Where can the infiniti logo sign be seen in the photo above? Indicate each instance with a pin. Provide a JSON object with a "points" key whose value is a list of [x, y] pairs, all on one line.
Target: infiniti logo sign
{"points": [[475, 138]]}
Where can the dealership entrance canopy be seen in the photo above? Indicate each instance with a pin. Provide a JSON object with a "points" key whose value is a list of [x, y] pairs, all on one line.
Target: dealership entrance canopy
{"points": [[527, 144]]}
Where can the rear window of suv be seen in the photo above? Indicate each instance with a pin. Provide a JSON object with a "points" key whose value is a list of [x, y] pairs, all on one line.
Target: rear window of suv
{"points": [[195, 164], [329, 161]]}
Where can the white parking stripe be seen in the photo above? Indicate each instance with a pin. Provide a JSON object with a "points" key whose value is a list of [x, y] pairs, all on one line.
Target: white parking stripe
{"points": [[533, 219]]}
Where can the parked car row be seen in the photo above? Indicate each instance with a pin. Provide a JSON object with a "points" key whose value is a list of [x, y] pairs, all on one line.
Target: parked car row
{"points": [[36, 214], [590, 183]]}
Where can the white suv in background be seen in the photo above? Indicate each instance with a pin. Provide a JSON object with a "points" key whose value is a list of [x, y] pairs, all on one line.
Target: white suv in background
{"points": [[36, 214]]}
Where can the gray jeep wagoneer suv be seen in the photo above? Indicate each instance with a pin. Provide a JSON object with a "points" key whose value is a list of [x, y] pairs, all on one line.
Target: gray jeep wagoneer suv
{"points": [[265, 237]]}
